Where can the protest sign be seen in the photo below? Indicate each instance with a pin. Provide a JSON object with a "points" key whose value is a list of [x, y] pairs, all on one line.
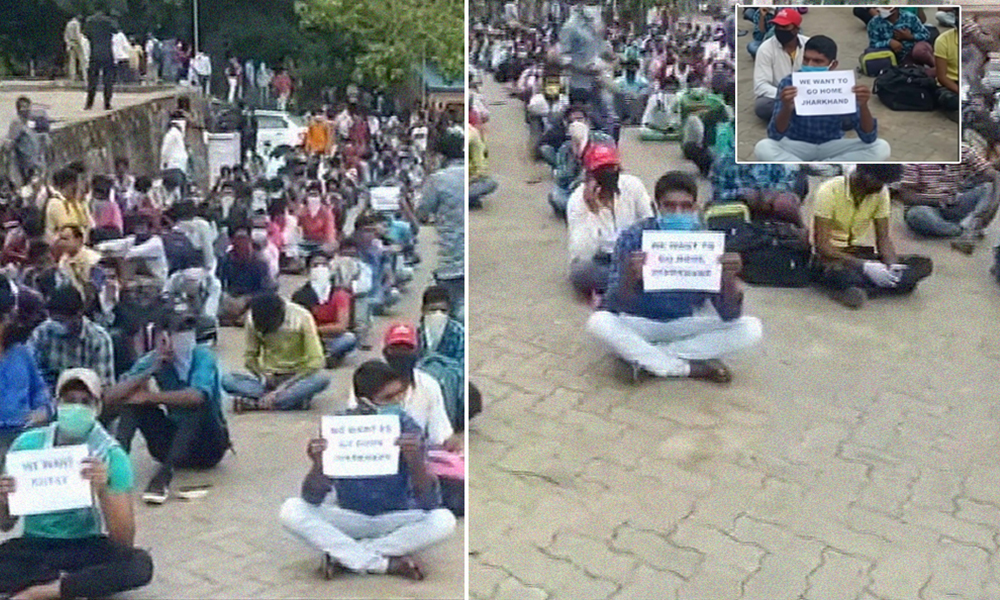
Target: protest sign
{"points": [[48, 480], [385, 198], [824, 93], [682, 260], [360, 445]]}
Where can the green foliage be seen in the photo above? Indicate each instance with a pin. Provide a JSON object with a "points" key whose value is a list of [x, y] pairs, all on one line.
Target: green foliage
{"points": [[394, 35]]}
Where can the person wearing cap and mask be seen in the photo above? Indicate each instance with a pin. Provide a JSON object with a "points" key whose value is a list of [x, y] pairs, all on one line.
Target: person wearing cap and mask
{"points": [[607, 203], [658, 332], [330, 306], [68, 339], [903, 33], [25, 401], [78, 553], [820, 138], [372, 525], [243, 274], [776, 59], [181, 417], [568, 171], [284, 357]]}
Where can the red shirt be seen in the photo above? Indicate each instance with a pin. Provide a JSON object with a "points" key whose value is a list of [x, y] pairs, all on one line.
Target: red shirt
{"points": [[321, 228], [338, 304]]}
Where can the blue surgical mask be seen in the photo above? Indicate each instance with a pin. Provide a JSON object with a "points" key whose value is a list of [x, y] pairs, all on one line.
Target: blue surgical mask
{"points": [[680, 221], [813, 69], [75, 420], [391, 409]]}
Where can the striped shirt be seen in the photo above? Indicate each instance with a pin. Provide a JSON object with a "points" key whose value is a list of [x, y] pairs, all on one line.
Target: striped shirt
{"points": [[942, 183]]}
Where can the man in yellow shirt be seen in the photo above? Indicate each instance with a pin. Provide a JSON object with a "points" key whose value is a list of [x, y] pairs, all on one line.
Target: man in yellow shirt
{"points": [[947, 56], [847, 208], [480, 182], [65, 206], [284, 355], [77, 261]]}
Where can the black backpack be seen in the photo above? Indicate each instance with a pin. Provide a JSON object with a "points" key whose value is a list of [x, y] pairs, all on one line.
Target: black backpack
{"points": [[906, 89], [773, 254], [181, 253]]}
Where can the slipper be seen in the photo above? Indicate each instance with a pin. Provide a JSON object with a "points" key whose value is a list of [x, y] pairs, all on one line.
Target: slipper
{"points": [[713, 370], [404, 566]]}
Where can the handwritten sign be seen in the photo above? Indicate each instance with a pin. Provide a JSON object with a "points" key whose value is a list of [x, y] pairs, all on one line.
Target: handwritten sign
{"points": [[48, 480], [360, 445], [385, 198], [824, 93], [682, 260]]}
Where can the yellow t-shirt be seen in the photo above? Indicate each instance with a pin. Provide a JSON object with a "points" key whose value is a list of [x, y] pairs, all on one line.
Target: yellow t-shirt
{"points": [[850, 221], [946, 47], [477, 155]]}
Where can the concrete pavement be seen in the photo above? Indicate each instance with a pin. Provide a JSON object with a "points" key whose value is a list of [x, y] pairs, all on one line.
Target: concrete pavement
{"points": [[852, 458]]}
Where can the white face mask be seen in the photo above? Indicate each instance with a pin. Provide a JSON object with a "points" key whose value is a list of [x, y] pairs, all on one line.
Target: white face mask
{"points": [[319, 278], [314, 203], [434, 324], [183, 343], [884, 12]]}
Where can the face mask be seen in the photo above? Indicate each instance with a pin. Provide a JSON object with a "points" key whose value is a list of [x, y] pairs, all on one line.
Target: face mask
{"points": [[371, 408], [607, 179], [434, 324], [884, 12], [75, 420], [945, 18], [183, 343], [813, 69], [679, 221], [784, 36], [313, 203]]}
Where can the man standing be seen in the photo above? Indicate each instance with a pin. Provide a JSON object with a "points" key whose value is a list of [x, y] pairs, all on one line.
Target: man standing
{"points": [[73, 38], [658, 331], [100, 28], [777, 58], [26, 141], [444, 197]]}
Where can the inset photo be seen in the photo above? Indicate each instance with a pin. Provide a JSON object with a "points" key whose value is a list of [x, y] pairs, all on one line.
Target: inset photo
{"points": [[848, 84]]}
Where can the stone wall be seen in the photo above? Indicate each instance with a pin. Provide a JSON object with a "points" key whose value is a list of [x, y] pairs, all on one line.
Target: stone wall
{"points": [[135, 132]]}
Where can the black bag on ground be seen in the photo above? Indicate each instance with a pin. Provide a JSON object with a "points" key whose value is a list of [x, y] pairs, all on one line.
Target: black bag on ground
{"points": [[906, 89], [773, 254]]}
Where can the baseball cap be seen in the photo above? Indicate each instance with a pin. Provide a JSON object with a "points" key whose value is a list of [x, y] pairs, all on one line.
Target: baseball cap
{"points": [[401, 334], [787, 16], [86, 376], [600, 155]]}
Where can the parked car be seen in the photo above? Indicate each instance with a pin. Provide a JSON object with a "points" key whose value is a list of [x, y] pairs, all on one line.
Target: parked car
{"points": [[278, 128]]}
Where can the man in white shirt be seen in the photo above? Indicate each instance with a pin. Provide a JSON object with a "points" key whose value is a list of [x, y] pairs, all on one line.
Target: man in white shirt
{"points": [[76, 65], [121, 50], [202, 66], [776, 59], [173, 151], [607, 203]]}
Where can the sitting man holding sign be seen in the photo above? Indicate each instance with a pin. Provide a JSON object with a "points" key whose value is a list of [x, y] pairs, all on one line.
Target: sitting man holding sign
{"points": [[809, 126], [53, 476], [661, 272], [846, 209], [386, 503]]}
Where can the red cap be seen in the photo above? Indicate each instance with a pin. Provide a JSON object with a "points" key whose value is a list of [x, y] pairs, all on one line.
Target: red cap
{"points": [[401, 334], [787, 16], [600, 155]]}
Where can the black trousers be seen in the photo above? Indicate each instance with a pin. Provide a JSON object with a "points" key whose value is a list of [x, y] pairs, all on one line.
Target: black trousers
{"points": [[839, 276], [106, 70], [195, 443], [95, 567]]}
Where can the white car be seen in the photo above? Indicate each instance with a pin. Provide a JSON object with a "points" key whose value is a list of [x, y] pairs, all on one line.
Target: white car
{"points": [[278, 128]]}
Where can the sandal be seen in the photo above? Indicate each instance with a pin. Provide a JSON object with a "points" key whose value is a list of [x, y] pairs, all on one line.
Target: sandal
{"points": [[331, 567], [404, 566], [713, 370]]}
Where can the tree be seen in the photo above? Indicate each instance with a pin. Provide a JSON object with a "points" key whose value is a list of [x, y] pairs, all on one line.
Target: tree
{"points": [[394, 36]]}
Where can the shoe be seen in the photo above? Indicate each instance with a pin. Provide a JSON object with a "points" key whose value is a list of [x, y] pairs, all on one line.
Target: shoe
{"points": [[852, 297], [964, 245], [159, 487], [242, 404], [331, 567]]}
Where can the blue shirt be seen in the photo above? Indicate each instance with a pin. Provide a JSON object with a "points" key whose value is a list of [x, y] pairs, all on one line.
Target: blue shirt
{"points": [[659, 306], [23, 388], [817, 129], [388, 493], [202, 376], [880, 31]]}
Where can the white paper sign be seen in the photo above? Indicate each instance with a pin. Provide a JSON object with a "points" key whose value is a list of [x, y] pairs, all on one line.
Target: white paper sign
{"points": [[48, 480], [360, 445], [824, 93], [385, 198], [682, 260]]}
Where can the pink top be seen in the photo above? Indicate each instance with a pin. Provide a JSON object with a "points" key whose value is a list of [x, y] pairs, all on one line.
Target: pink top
{"points": [[107, 214]]}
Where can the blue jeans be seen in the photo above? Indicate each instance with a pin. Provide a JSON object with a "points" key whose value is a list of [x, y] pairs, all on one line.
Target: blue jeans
{"points": [[295, 397], [972, 211], [478, 188], [558, 200], [338, 347], [752, 48]]}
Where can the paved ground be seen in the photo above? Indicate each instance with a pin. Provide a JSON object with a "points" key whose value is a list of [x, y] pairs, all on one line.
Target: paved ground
{"points": [[853, 457], [230, 544], [65, 104], [913, 136]]}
